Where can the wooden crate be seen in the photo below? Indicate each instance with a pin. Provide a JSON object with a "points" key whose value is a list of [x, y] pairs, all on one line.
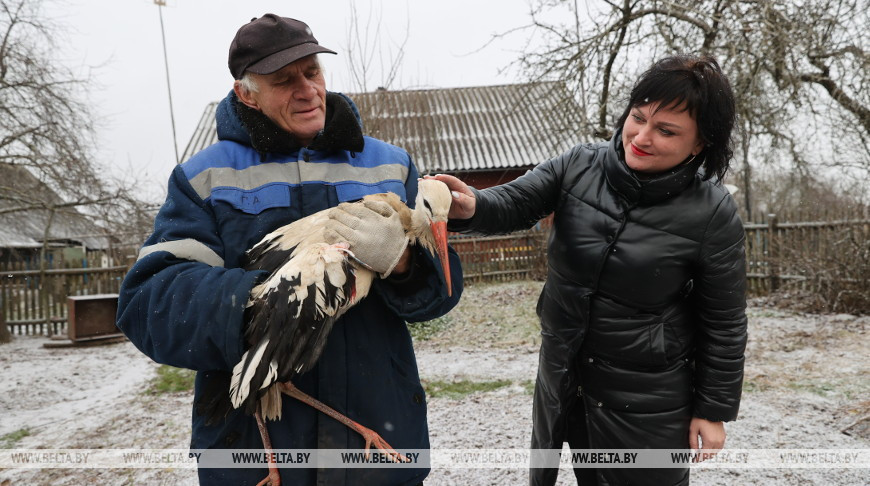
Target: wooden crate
{"points": [[92, 317]]}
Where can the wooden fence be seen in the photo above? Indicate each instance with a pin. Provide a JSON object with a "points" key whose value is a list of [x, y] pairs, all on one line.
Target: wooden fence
{"points": [[777, 253], [793, 255], [798, 255], [520, 255], [808, 256], [34, 301]]}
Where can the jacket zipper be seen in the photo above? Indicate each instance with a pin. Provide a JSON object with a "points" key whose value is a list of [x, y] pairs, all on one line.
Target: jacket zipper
{"points": [[609, 248]]}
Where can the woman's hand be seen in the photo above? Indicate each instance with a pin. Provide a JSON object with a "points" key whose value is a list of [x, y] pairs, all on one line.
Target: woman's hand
{"points": [[712, 435], [464, 203]]}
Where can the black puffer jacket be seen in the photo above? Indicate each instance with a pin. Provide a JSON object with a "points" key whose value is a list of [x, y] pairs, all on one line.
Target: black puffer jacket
{"points": [[643, 311]]}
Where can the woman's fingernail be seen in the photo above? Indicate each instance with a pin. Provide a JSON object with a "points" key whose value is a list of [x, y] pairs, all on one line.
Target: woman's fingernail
{"points": [[455, 194]]}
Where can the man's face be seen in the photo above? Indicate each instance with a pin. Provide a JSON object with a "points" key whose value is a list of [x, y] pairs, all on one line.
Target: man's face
{"points": [[294, 98]]}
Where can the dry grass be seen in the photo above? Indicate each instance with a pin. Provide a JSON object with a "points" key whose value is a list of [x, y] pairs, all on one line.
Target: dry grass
{"points": [[489, 315]]}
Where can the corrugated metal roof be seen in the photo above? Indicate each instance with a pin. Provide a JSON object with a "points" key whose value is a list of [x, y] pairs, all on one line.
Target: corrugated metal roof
{"points": [[476, 128], [26, 229], [460, 129], [205, 133]]}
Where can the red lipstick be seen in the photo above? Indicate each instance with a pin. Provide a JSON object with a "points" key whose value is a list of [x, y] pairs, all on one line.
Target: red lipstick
{"points": [[638, 152]]}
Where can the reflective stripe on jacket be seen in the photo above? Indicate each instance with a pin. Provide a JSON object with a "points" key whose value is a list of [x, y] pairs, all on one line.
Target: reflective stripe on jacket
{"points": [[182, 302]]}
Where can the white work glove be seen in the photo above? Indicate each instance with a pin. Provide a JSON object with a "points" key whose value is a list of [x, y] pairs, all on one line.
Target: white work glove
{"points": [[373, 230]]}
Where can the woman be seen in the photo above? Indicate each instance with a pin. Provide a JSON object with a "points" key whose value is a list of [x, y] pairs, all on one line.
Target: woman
{"points": [[643, 312]]}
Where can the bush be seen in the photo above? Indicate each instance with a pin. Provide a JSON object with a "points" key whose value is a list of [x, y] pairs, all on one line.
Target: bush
{"points": [[837, 273]]}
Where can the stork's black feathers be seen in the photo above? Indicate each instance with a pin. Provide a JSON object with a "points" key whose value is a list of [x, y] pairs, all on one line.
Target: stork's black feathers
{"points": [[289, 318], [267, 255], [313, 279], [291, 315]]}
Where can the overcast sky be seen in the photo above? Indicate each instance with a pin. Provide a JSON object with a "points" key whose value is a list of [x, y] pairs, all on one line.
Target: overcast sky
{"points": [[118, 42]]}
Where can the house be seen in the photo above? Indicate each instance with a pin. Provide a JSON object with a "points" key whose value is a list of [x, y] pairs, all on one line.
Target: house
{"points": [[485, 135], [23, 231]]}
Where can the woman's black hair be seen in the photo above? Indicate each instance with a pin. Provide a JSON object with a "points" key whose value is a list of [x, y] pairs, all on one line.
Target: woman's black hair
{"points": [[697, 84]]}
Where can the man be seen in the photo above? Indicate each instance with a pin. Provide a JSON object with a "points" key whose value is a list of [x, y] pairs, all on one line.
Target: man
{"points": [[287, 149]]}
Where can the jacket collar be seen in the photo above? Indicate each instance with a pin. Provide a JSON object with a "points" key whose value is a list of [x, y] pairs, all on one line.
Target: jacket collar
{"points": [[239, 123], [645, 191]]}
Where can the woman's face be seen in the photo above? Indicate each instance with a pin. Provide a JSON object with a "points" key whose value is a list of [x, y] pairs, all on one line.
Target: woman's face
{"points": [[655, 141]]}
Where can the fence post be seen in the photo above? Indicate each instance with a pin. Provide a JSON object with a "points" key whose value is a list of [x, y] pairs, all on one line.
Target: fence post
{"points": [[5, 332], [772, 252], [477, 257]]}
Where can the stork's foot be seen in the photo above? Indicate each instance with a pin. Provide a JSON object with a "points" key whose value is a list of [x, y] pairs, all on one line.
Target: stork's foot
{"points": [[270, 480], [273, 479], [371, 437]]}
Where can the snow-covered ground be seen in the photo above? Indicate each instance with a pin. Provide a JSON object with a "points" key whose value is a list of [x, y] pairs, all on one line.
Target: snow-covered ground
{"points": [[806, 383]]}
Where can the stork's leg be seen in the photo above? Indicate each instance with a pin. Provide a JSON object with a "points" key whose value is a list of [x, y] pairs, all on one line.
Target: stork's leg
{"points": [[371, 437], [273, 479]]}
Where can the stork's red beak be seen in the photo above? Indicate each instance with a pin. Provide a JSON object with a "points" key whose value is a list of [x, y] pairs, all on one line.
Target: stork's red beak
{"points": [[439, 231]]}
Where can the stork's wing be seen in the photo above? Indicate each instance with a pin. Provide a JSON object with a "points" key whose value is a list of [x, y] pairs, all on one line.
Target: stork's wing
{"points": [[282, 244], [276, 248], [292, 313]]}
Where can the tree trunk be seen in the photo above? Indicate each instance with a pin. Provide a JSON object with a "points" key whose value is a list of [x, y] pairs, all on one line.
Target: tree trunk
{"points": [[5, 334], [43, 282], [747, 169]]}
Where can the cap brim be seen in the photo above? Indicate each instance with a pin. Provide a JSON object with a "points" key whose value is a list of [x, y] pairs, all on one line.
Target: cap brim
{"points": [[276, 61]]}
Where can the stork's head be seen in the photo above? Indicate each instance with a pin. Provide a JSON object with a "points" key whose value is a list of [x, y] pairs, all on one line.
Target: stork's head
{"points": [[429, 221]]}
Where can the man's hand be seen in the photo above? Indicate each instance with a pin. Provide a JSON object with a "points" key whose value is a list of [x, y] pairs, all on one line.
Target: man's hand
{"points": [[464, 203], [404, 263], [374, 231], [712, 435]]}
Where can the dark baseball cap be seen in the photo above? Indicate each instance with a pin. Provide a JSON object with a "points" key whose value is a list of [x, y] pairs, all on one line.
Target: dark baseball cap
{"points": [[267, 44]]}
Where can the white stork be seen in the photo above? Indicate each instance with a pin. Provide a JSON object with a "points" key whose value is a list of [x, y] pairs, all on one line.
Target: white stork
{"points": [[314, 281]]}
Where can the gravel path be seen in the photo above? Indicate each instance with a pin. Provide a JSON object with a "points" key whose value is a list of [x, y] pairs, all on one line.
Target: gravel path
{"points": [[806, 384]]}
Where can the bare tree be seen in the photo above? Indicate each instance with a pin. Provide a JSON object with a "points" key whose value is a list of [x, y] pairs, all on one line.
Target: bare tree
{"points": [[799, 68], [43, 125], [46, 129], [372, 61], [45, 121], [368, 58]]}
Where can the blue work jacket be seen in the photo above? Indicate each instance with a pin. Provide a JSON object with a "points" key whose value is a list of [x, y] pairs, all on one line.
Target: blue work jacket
{"points": [[183, 301]]}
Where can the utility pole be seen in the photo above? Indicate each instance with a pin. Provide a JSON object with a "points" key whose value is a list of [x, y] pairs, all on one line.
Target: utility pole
{"points": [[160, 4]]}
